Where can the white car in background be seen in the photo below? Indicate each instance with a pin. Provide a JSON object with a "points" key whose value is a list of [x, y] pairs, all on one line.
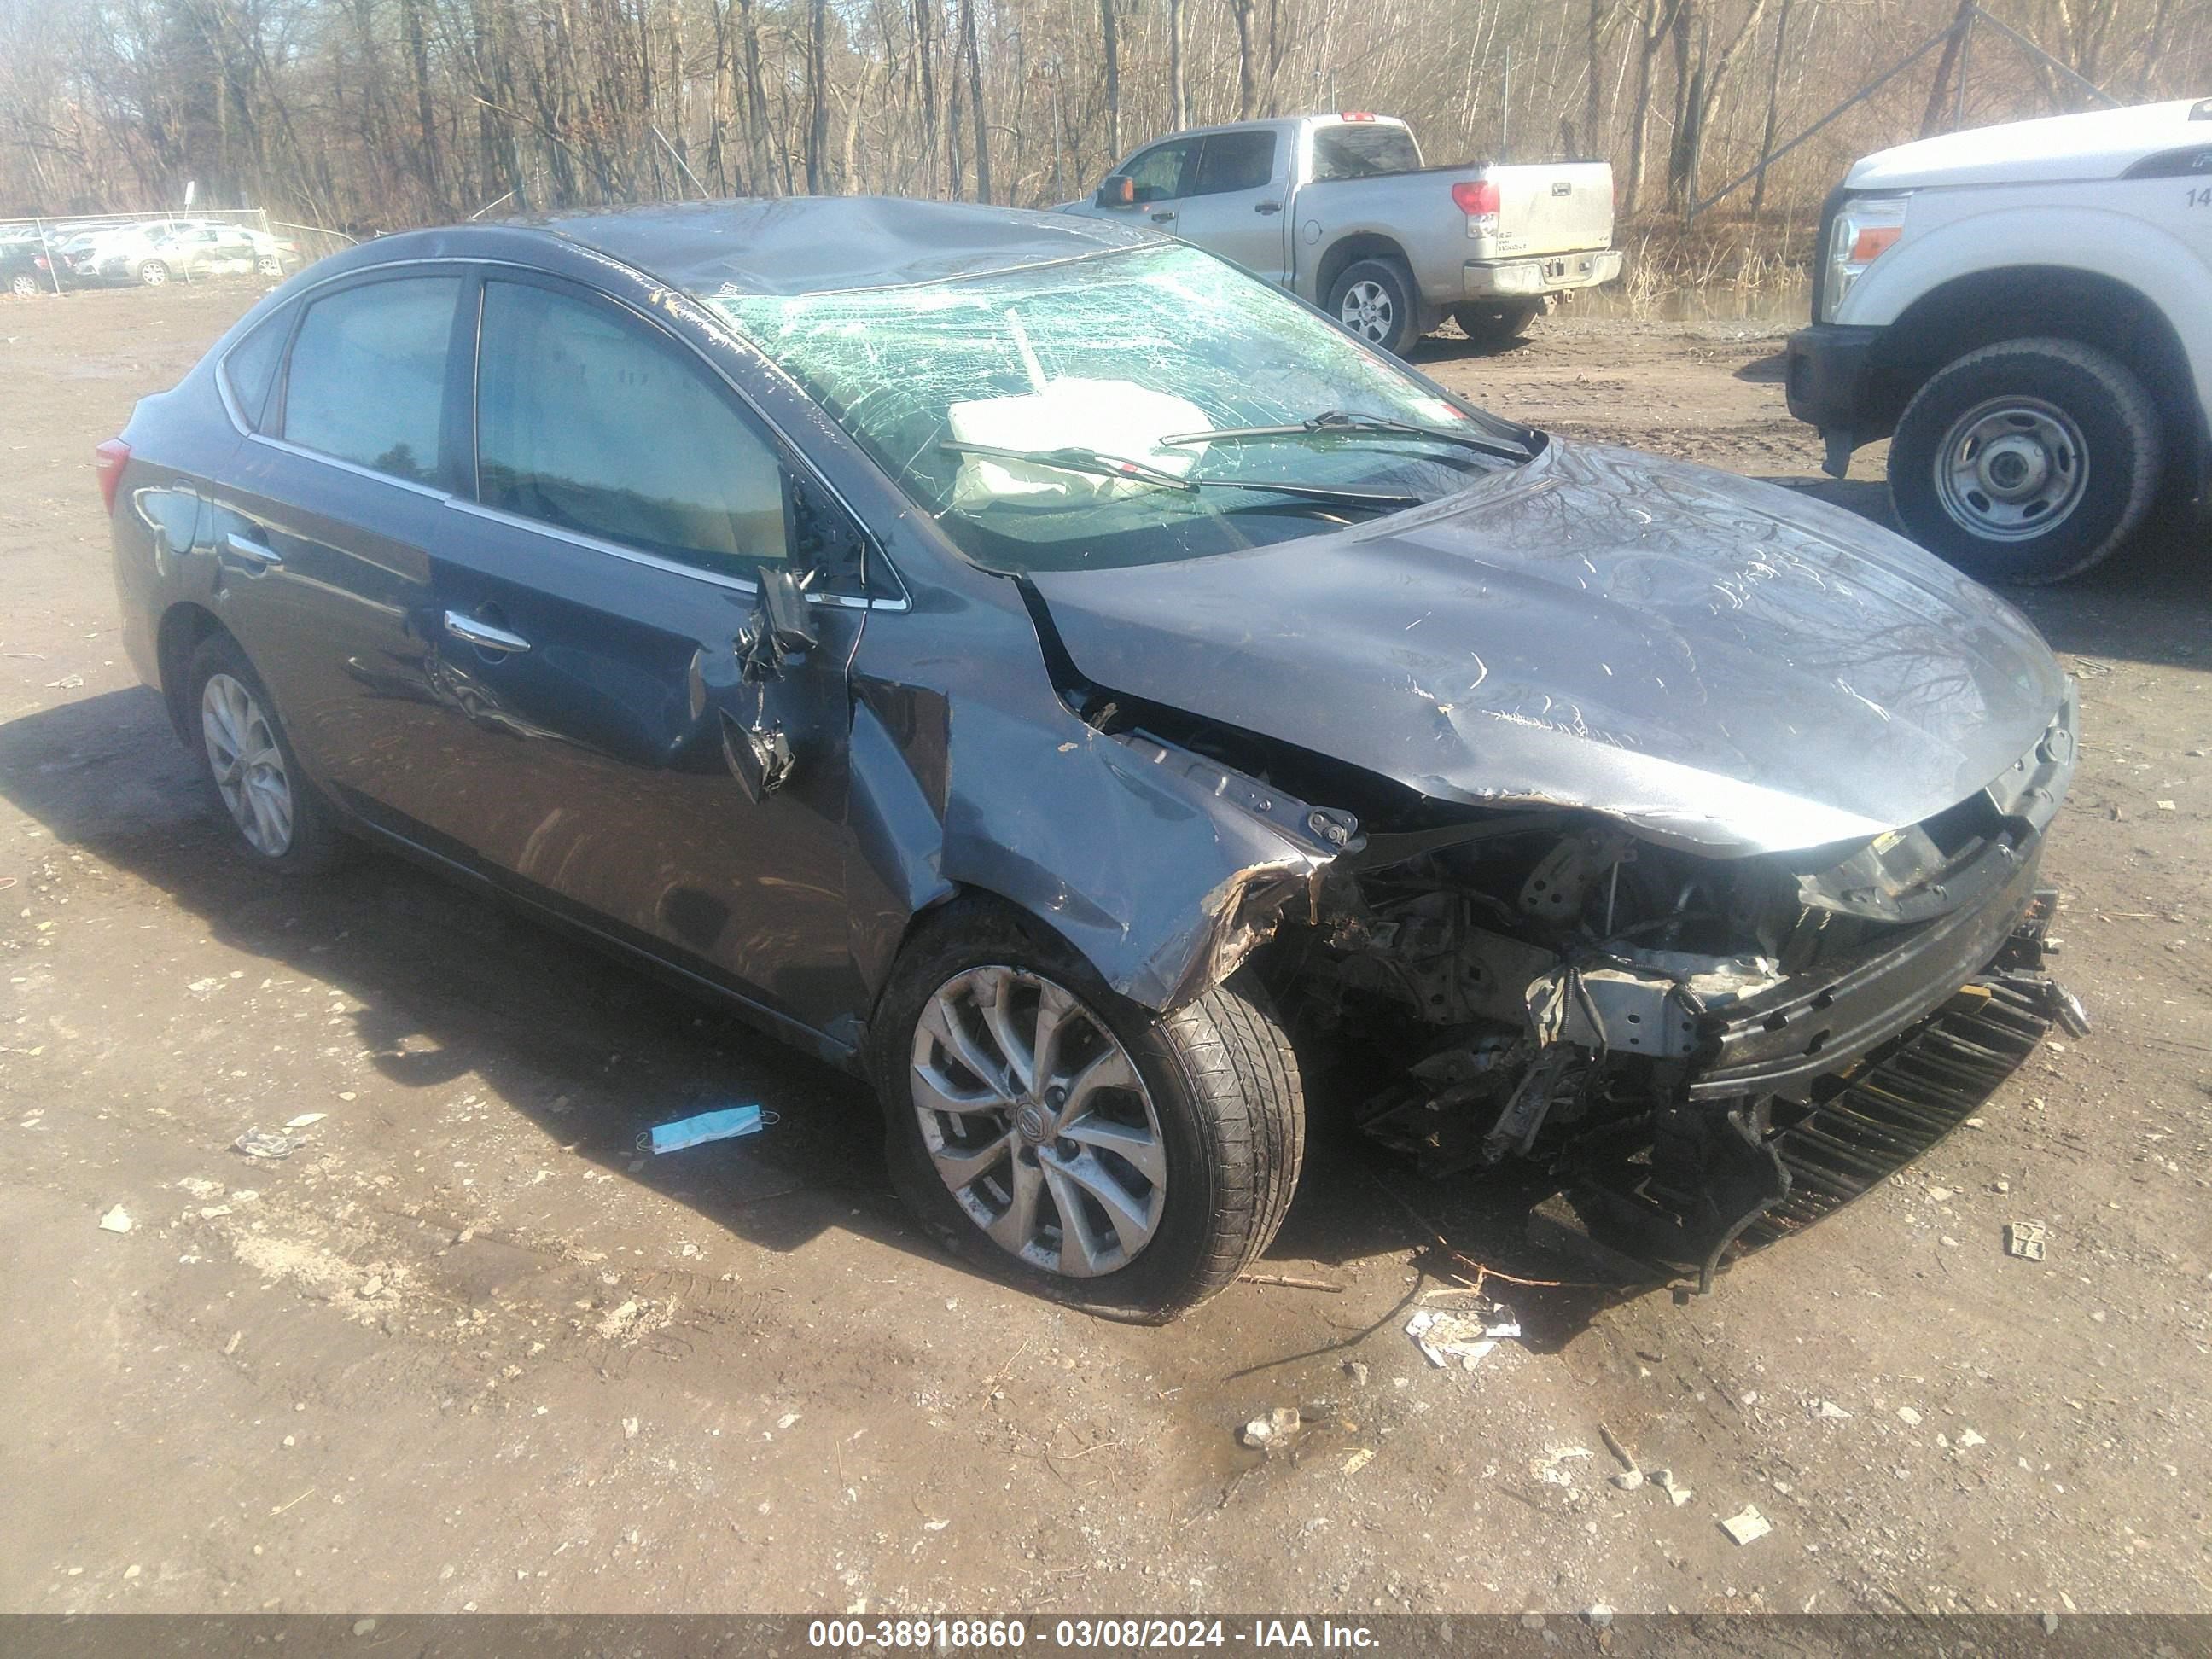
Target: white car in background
{"points": [[2026, 313]]}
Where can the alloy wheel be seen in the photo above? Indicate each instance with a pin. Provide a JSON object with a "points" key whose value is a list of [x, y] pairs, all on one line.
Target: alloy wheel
{"points": [[248, 764], [153, 273], [25, 286], [1037, 1121], [1366, 310], [2011, 469]]}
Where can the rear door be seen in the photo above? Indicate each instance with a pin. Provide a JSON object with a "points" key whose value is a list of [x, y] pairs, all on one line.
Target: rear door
{"points": [[323, 525], [586, 597], [1234, 204]]}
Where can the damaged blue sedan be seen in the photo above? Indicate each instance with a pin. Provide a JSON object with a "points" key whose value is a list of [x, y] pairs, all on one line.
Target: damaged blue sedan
{"points": [[1040, 667]]}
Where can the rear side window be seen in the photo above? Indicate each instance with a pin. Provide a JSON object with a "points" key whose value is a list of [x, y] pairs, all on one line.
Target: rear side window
{"points": [[588, 421], [1363, 152], [251, 367], [367, 376], [1236, 161]]}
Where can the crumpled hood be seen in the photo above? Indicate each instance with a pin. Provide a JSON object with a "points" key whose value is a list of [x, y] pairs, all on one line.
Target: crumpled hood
{"points": [[1714, 662]]}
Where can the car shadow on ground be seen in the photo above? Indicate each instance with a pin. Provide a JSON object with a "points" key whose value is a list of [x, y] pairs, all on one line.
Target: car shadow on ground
{"points": [[458, 993]]}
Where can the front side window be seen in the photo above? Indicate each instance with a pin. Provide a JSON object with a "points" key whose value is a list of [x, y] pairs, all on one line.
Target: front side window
{"points": [[1236, 161], [588, 421], [1157, 173], [975, 395], [367, 378]]}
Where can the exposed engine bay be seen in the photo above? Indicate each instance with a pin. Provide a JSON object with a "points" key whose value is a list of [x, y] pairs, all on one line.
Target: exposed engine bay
{"points": [[1536, 982]]}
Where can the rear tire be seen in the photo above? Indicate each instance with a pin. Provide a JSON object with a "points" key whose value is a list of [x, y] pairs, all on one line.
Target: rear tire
{"points": [[1376, 299], [1213, 1109], [2027, 461], [278, 820], [1497, 324], [153, 273], [24, 286]]}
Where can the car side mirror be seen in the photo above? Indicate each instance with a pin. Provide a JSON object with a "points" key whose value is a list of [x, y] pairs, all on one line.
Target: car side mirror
{"points": [[1119, 191], [780, 627]]}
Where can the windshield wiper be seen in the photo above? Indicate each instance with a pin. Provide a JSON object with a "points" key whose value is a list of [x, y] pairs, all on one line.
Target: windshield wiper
{"points": [[1336, 422], [1095, 462]]}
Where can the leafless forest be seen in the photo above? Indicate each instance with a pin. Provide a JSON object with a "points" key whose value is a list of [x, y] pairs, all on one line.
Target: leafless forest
{"points": [[381, 113]]}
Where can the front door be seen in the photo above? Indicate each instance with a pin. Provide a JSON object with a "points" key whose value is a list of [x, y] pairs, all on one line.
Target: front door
{"points": [[582, 629]]}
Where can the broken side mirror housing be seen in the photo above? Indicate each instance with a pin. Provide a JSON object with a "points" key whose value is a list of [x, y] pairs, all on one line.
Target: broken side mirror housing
{"points": [[1119, 191], [780, 627]]}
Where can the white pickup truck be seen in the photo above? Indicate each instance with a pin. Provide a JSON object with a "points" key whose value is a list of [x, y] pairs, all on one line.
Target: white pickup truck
{"points": [[1341, 210], [2026, 313]]}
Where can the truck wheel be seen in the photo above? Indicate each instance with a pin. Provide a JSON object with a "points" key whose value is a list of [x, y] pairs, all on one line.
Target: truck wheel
{"points": [[1376, 300], [1075, 1141], [2027, 461], [1497, 324]]}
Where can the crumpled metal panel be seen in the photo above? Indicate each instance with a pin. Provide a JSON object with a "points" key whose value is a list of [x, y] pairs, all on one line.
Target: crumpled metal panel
{"points": [[1713, 662], [1161, 867]]}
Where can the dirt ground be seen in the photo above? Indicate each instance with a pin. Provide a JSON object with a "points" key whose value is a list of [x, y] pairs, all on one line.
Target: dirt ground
{"points": [[463, 1350]]}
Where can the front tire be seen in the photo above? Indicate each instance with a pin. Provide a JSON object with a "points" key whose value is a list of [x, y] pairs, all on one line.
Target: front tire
{"points": [[2027, 461], [1073, 1141], [1376, 299], [153, 273], [24, 286], [280, 821]]}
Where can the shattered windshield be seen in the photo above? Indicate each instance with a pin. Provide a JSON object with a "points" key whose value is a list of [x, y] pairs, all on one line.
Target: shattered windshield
{"points": [[1031, 413]]}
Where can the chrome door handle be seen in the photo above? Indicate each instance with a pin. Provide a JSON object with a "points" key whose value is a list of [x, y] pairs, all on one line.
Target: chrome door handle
{"points": [[484, 635], [1266, 207], [1164, 218], [256, 554]]}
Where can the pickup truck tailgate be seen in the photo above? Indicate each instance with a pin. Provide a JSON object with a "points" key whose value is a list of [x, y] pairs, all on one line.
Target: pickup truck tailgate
{"points": [[1556, 209]]}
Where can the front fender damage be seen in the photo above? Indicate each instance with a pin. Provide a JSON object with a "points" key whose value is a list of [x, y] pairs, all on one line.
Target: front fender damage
{"points": [[1164, 868]]}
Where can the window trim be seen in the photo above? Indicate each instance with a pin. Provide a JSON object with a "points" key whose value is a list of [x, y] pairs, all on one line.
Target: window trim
{"points": [[474, 266]]}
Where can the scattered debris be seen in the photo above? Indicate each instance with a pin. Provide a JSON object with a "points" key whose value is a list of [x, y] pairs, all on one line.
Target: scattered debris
{"points": [[1599, 1615], [1274, 1432], [267, 1143], [1447, 1339], [1748, 1527], [304, 1120], [726, 1124], [1290, 1284], [1357, 1371], [117, 1220], [1664, 1479], [1940, 1194], [1548, 1470], [2025, 1239], [1629, 1480], [1909, 1416], [1968, 1439], [1359, 1460], [1829, 1408], [2165, 806]]}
